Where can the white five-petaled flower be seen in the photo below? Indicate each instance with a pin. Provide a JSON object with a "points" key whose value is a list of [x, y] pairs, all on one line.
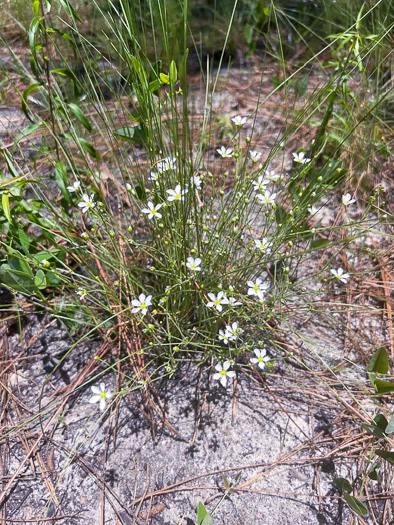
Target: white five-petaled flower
{"points": [[74, 187], [87, 202], [153, 211], [258, 288], [234, 331], [82, 293], [224, 336], [300, 158], [261, 358], [225, 153], [194, 264], [264, 245], [166, 164], [141, 304], [260, 184], [340, 275], [347, 199], [232, 301], [101, 395], [223, 373], [255, 156], [177, 194], [217, 301], [239, 121], [266, 198]]}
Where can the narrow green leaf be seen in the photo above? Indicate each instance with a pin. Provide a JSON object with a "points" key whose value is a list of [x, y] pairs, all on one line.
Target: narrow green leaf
{"points": [[28, 130], [5, 203], [77, 112], [70, 10], [355, 504]]}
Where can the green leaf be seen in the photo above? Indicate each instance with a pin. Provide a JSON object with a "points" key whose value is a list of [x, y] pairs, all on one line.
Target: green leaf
{"points": [[355, 504], [61, 179], [135, 135], [379, 362], [383, 387], [24, 240], [201, 512], [374, 471], [76, 110], [203, 518], [28, 130], [16, 279], [342, 484], [385, 454], [5, 203], [40, 280], [164, 79], [70, 10]]}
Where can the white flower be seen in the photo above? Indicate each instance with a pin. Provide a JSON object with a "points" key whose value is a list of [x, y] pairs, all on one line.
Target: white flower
{"points": [[197, 181], [264, 245], [223, 373], [258, 288], [166, 164], [260, 183], [233, 302], [300, 158], [81, 292], [266, 198], [141, 304], [239, 121], [255, 156], [101, 395], [340, 275], [272, 176], [312, 210], [152, 210], [261, 358], [154, 176], [224, 152], [194, 264], [74, 187], [347, 199], [87, 202], [224, 336], [128, 186], [233, 331], [177, 194], [217, 301]]}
